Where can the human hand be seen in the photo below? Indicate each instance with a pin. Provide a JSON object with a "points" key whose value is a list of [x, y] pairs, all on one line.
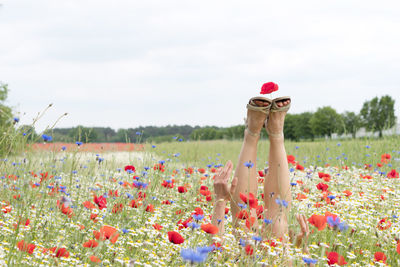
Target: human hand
{"points": [[221, 188], [302, 237]]}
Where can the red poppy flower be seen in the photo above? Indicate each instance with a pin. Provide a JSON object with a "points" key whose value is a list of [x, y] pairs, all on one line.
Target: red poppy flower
{"points": [[130, 167], [261, 173], [347, 193], [101, 201], [209, 228], [380, 256], [250, 200], [398, 247], [385, 158], [250, 222], [259, 211], [323, 187], [318, 221], [393, 174], [60, 252], [384, 224], [89, 205], [201, 170], [150, 208], [249, 250], [268, 88], [90, 244], [107, 232], [175, 237], [301, 196], [291, 159], [242, 215], [299, 167], [335, 258], [24, 246], [198, 211], [157, 226], [118, 207], [182, 189], [94, 259]]}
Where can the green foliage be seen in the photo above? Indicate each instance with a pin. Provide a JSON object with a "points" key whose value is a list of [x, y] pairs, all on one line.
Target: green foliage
{"points": [[83, 134], [325, 121], [351, 123], [378, 114]]}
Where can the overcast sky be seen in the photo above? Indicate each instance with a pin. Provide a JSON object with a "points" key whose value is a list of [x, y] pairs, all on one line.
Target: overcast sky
{"points": [[129, 63]]}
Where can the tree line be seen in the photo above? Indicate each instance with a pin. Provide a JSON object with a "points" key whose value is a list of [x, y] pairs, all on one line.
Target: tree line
{"points": [[376, 115]]}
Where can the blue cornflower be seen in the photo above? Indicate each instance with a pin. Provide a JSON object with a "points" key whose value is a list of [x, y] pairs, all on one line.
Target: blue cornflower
{"points": [[205, 249], [331, 197], [243, 206], [367, 146], [180, 139], [193, 225], [242, 242], [125, 231], [47, 138], [139, 184], [297, 147], [343, 227], [293, 184], [153, 146], [309, 260], [16, 119], [161, 162], [193, 255], [79, 143], [291, 169], [257, 238], [267, 221], [332, 222], [281, 202], [338, 144], [249, 164], [198, 217], [138, 133], [175, 137], [63, 148]]}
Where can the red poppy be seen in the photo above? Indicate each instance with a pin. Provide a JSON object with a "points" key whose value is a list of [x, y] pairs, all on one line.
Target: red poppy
{"points": [[393, 174], [347, 193], [250, 200], [150, 208], [261, 173], [259, 210], [88, 205], [182, 189], [323, 187], [101, 201], [385, 158], [380, 256], [242, 215], [118, 207], [157, 226], [384, 224], [249, 250], [250, 222], [268, 88], [301, 197], [299, 167], [209, 228], [130, 168], [24, 246], [201, 170], [335, 258], [107, 232], [94, 259], [398, 247], [291, 159], [318, 221], [175, 237], [198, 211], [60, 252], [90, 244]]}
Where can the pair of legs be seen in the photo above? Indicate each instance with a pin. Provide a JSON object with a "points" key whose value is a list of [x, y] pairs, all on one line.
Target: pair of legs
{"points": [[276, 182]]}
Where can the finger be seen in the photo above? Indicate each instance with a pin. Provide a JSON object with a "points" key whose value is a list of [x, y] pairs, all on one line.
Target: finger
{"points": [[234, 185], [229, 171]]}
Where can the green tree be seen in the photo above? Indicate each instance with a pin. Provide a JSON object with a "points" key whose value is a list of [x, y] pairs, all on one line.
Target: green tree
{"points": [[83, 134], [351, 123], [378, 114], [325, 121]]}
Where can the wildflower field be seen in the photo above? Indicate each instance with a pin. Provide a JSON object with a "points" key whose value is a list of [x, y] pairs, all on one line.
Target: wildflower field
{"points": [[152, 207]]}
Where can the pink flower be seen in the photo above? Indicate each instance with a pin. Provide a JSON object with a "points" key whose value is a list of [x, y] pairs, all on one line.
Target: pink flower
{"points": [[268, 88]]}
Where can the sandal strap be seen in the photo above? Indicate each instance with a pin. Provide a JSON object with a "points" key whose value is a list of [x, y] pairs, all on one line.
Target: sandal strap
{"points": [[248, 130], [274, 106]]}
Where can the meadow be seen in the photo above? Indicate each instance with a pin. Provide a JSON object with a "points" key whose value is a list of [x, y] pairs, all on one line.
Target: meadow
{"points": [[145, 208]]}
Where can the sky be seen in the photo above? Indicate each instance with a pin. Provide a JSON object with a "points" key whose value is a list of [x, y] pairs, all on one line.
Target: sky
{"points": [[128, 63]]}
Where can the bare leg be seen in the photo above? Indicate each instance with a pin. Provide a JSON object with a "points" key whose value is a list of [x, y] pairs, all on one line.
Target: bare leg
{"points": [[277, 183], [247, 177]]}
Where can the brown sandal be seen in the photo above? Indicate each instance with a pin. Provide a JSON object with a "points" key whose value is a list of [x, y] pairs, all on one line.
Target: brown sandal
{"points": [[253, 106]]}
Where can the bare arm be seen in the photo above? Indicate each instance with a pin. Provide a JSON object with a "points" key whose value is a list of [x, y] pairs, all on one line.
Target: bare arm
{"points": [[223, 194]]}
